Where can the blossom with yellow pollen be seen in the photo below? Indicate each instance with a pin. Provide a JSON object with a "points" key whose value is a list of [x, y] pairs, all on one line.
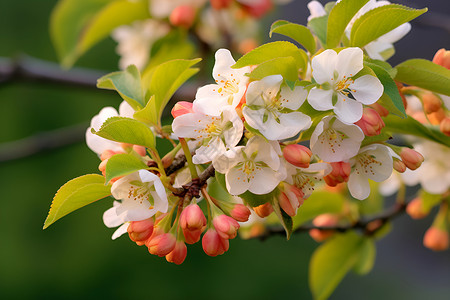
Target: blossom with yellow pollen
{"points": [[338, 90]]}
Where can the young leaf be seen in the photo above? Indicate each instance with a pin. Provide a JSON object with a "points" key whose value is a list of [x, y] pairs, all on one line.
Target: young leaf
{"points": [[366, 257], [75, 194], [267, 52], [424, 74], [390, 89], [320, 202], [297, 32], [127, 83], [67, 21], [319, 27], [254, 200], [123, 164], [339, 17], [331, 261], [148, 114], [127, 130], [115, 14], [284, 218], [411, 126], [380, 21], [287, 67]]}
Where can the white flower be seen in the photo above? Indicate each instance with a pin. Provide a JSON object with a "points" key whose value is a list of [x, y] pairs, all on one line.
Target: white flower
{"points": [[272, 110], [316, 10], [162, 9], [256, 167], [372, 162], [99, 144], [335, 141], [229, 89], [142, 194], [339, 91], [135, 41], [306, 179], [391, 185], [217, 133]]}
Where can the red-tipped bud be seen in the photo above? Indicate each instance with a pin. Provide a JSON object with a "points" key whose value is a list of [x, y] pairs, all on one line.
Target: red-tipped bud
{"points": [[182, 16], [226, 226], [298, 155], [290, 199], [140, 150], [436, 239], [400, 86], [431, 102], [436, 117], [213, 244], [411, 158], [102, 166], [442, 58], [399, 166], [247, 45], [415, 209], [192, 218], [445, 126], [220, 4], [178, 254], [192, 236], [263, 210], [381, 110], [107, 154], [324, 220], [259, 8], [162, 244], [371, 122], [340, 173], [181, 108], [140, 231], [240, 213]]}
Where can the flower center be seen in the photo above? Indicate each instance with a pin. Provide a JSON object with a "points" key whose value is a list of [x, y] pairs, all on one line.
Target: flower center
{"points": [[343, 86], [333, 138], [140, 192], [364, 164], [228, 86]]}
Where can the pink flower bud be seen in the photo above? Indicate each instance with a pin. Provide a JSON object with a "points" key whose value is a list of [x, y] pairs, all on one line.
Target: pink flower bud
{"points": [[263, 210], [181, 108], [436, 239], [220, 4], [192, 236], [182, 16], [340, 173], [247, 45], [102, 166], [324, 220], [411, 158], [290, 199], [140, 150], [399, 166], [226, 226], [442, 58], [107, 154], [381, 110], [415, 209], [436, 117], [445, 126], [371, 122], [192, 218], [258, 8], [240, 213], [431, 102], [140, 231], [213, 244], [162, 244], [178, 254], [298, 155]]}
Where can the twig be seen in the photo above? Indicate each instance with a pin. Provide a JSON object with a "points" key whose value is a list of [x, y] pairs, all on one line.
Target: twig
{"points": [[193, 187]]}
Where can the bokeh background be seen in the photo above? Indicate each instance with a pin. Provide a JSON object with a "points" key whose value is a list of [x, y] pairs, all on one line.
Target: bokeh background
{"points": [[76, 259]]}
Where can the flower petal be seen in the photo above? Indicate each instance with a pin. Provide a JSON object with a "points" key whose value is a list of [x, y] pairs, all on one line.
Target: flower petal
{"points": [[292, 99], [358, 186], [348, 110], [120, 231], [349, 62], [320, 99], [367, 89], [323, 66], [236, 181], [264, 181]]}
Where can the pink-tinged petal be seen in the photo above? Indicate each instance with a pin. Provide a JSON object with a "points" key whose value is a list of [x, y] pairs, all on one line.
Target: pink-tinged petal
{"points": [[349, 62], [121, 187], [348, 110], [191, 125], [320, 99], [106, 113], [292, 99], [147, 176], [120, 231], [110, 217], [367, 89], [323, 66], [224, 61], [264, 181], [390, 185], [358, 186], [236, 181]]}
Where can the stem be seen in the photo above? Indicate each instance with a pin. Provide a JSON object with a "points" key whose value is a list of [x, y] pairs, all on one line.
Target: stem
{"points": [[187, 153], [155, 156]]}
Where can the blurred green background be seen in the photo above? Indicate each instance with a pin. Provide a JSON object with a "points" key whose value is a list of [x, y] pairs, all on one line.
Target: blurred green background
{"points": [[75, 258]]}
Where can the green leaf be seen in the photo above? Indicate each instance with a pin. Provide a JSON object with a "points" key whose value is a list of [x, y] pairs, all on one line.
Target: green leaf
{"points": [[148, 114], [380, 21], [390, 89], [298, 33], [366, 257], [284, 66], [387, 103], [411, 126], [331, 261], [123, 164], [75, 194], [127, 130], [424, 74], [319, 27], [127, 83], [269, 51], [117, 13], [284, 218], [254, 200], [320, 202], [68, 20], [339, 17], [374, 203], [165, 80], [429, 200]]}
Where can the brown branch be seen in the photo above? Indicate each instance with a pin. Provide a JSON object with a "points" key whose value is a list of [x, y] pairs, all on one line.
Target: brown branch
{"points": [[193, 187]]}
